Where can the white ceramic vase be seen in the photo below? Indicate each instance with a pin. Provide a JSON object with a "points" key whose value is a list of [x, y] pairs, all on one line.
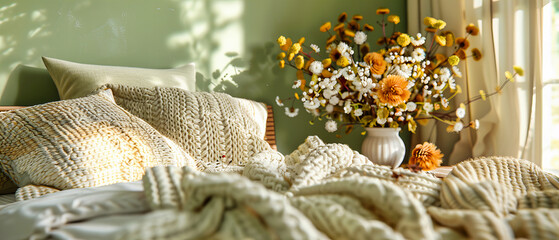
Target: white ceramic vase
{"points": [[384, 146]]}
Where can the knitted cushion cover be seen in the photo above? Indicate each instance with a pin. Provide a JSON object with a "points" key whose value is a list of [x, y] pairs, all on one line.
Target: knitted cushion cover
{"points": [[219, 131], [81, 142]]}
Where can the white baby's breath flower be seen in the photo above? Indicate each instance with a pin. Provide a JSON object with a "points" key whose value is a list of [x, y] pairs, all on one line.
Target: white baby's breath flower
{"points": [[316, 67], [331, 126], [460, 112], [329, 108], [347, 107], [278, 101], [428, 107], [334, 100], [315, 48], [360, 37], [342, 47], [456, 71], [418, 40], [296, 84], [358, 112], [418, 54], [291, 112], [458, 126], [313, 104], [411, 106], [444, 102]]}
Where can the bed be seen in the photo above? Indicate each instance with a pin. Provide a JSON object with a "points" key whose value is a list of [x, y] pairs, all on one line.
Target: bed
{"points": [[128, 161]]}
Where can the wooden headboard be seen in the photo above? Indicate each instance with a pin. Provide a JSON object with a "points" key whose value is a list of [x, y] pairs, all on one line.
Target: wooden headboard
{"points": [[270, 136]]}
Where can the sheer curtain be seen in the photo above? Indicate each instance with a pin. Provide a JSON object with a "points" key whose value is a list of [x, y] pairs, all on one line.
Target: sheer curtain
{"points": [[510, 34]]}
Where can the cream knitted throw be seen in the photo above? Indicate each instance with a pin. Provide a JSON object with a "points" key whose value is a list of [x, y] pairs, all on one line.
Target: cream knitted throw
{"points": [[344, 196], [328, 191], [219, 131]]}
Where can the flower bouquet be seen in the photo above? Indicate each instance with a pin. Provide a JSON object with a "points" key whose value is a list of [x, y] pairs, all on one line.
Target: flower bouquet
{"points": [[407, 81]]}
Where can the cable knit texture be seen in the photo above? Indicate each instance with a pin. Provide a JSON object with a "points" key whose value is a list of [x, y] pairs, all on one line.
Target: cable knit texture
{"points": [[325, 191], [78, 143], [220, 132]]}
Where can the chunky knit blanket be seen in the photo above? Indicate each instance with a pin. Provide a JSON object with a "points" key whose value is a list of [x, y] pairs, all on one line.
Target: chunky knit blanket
{"points": [[320, 191]]}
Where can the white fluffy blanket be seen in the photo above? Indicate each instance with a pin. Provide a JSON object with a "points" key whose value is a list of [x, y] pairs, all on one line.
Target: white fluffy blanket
{"points": [[320, 191]]}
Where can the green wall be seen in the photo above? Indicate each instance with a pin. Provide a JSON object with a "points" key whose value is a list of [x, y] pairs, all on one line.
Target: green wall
{"points": [[168, 33]]}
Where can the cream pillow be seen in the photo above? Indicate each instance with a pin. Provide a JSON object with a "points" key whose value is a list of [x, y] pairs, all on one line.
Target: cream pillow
{"points": [[81, 142], [219, 131], [75, 80]]}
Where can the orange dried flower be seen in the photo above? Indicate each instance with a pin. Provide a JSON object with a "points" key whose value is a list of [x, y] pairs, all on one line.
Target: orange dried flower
{"points": [[353, 26], [472, 29], [383, 11], [325, 27], [461, 53], [368, 27], [331, 39], [463, 43], [365, 48], [376, 62], [426, 156], [342, 17], [339, 26], [357, 17], [476, 53], [393, 90]]}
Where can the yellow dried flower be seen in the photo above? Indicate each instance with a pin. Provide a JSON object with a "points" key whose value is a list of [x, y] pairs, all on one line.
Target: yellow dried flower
{"points": [[393, 90], [342, 17], [299, 62], [439, 24], [476, 53], [301, 41], [472, 29], [282, 63], [383, 11], [426, 156], [291, 56], [394, 19], [368, 27], [441, 40], [281, 56], [453, 60], [517, 69], [326, 62], [287, 44], [282, 41], [429, 21], [326, 73], [295, 48], [325, 27], [508, 75], [403, 40], [482, 94], [342, 61], [449, 38]]}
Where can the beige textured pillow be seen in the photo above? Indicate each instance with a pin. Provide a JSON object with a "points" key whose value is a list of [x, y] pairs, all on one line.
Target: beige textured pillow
{"points": [[75, 80], [81, 142], [219, 131]]}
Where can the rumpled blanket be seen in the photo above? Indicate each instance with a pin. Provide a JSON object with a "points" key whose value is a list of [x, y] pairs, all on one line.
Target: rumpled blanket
{"points": [[320, 191]]}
